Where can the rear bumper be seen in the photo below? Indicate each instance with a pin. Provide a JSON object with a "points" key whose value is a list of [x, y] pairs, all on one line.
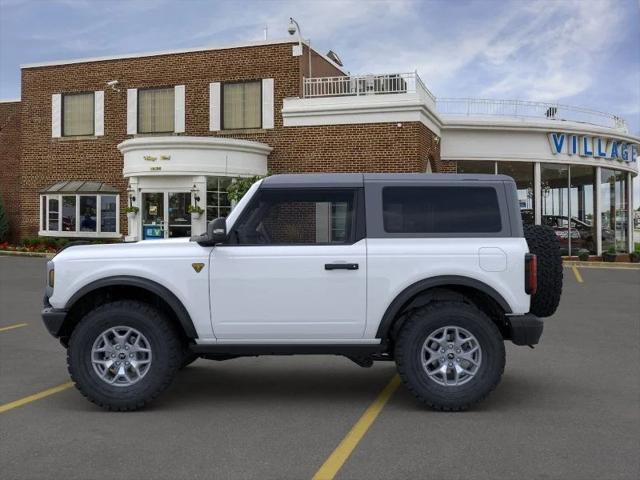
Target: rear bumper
{"points": [[53, 319], [525, 329]]}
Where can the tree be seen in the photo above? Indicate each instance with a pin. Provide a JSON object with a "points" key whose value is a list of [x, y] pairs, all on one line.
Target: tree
{"points": [[4, 223], [237, 189]]}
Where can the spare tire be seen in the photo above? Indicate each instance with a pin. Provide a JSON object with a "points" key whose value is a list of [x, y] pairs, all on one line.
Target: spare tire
{"points": [[544, 243]]}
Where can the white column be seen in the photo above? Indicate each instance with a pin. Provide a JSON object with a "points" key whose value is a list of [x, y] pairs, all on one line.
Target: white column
{"points": [[537, 198], [630, 214], [199, 226], [134, 222], [598, 212]]}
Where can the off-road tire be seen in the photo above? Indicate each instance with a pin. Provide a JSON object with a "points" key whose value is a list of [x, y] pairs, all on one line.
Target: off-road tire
{"points": [[544, 243], [164, 341], [423, 322]]}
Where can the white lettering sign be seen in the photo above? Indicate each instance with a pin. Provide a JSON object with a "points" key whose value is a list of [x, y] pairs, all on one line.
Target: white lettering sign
{"points": [[596, 147]]}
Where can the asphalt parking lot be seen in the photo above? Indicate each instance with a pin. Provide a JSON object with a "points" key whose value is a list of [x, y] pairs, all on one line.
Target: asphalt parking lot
{"points": [[569, 409]]}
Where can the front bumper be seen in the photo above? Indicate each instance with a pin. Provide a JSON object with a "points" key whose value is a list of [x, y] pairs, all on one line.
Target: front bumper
{"points": [[53, 318], [525, 329]]}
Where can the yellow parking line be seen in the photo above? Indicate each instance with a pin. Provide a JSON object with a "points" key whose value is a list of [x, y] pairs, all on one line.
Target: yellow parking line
{"points": [[11, 327], [36, 396], [332, 465], [577, 274]]}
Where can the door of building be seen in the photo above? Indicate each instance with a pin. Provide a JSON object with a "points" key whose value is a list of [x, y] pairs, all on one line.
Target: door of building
{"points": [[164, 215]]}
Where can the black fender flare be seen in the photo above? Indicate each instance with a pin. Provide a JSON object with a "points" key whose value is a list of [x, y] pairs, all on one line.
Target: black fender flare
{"points": [[404, 297], [128, 280]]}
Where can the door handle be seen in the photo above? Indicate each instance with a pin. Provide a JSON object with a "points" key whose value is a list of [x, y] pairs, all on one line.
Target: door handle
{"points": [[341, 266]]}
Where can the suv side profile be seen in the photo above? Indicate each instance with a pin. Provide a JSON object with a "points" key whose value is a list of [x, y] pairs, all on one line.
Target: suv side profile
{"points": [[433, 272]]}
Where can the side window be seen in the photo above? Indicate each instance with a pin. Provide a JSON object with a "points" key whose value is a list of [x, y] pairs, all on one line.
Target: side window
{"points": [[434, 209], [298, 217]]}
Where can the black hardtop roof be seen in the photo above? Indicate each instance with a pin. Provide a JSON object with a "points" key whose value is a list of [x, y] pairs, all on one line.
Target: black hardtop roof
{"points": [[337, 180]]}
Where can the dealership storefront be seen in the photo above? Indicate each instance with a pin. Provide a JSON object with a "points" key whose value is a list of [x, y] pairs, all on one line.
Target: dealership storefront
{"points": [[575, 178]]}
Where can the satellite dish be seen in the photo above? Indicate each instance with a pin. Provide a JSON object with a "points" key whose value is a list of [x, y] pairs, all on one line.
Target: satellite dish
{"points": [[333, 56]]}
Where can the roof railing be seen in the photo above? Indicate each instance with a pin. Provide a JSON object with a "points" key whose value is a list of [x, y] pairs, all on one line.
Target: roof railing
{"points": [[478, 107]]}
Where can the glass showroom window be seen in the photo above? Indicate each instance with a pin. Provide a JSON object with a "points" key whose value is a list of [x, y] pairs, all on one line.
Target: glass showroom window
{"points": [[218, 203], [473, 166], [78, 114], [79, 215], [156, 110], [614, 210], [522, 173], [582, 208], [555, 201], [242, 105]]}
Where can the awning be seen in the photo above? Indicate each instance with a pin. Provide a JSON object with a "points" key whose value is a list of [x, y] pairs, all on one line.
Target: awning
{"points": [[80, 186]]}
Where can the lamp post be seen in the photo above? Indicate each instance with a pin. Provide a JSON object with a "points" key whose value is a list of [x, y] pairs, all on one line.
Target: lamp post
{"points": [[294, 28]]}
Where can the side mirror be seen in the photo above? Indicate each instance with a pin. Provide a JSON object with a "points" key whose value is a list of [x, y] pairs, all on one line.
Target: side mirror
{"points": [[216, 233], [217, 230]]}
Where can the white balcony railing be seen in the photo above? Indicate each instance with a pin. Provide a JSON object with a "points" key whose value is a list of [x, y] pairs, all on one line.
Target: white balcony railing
{"points": [[525, 109], [356, 85]]}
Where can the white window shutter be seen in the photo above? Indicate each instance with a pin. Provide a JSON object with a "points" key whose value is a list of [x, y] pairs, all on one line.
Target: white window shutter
{"points": [[178, 122], [132, 111], [214, 106], [56, 115], [98, 112], [267, 103]]}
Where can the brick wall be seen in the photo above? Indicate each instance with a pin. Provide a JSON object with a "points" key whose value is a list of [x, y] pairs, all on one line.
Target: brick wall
{"points": [[10, 162], [339, 148]]}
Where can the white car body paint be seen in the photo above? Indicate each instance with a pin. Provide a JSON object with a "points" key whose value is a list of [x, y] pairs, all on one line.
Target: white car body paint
{"points": [[283, 294]]}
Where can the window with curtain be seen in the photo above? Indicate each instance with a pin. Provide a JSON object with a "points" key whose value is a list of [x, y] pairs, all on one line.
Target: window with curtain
{"points": [[77, 114], [156, 110], [242, 105]]}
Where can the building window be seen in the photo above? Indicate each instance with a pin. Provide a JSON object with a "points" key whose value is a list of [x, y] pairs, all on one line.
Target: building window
{"points": [[242, 105], [554, 187], [298, 217], [78, 114], [156, 110], [79, 215], [522, 173], [581, 207], [218, 203], [614, 210], [476, 166]]}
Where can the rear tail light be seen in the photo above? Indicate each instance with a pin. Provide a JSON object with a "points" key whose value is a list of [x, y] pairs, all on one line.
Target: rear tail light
{"points": [[530, 273]]}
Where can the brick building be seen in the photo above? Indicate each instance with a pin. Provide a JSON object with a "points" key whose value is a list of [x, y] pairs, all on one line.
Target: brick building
{"points": [[165, 130]]}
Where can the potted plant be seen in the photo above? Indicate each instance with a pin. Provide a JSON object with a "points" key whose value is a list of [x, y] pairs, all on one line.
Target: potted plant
{"points": [[131, 212], [583, 254], [610, 255], [635, 256], [195, 211]]}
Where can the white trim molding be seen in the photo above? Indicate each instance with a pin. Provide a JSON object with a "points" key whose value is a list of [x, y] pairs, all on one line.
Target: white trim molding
{"points": [[56, 115], [183, 155], [214, 107], [393, 108], [98, 123], [179, 109], [132, 111]]}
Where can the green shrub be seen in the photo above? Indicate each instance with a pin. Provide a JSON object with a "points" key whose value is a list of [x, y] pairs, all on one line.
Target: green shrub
{"points": [[4, 223], [237, 189]]}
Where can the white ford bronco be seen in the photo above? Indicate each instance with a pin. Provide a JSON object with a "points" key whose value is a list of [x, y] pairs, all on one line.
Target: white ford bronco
{"points": [[433, 272]]}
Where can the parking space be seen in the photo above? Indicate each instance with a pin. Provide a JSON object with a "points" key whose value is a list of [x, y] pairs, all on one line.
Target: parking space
{"points": [[568, 409]]}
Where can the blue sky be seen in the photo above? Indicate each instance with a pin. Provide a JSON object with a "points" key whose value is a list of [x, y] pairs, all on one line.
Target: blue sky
{"points": [[580, 52]]}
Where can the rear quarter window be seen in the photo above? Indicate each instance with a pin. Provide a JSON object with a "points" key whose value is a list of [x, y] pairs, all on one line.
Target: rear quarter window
{"points": [[441, 209]]}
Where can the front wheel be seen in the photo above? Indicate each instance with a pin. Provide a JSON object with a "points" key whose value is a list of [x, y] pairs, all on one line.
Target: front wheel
{"points": [[450, 355], [123, 354]]}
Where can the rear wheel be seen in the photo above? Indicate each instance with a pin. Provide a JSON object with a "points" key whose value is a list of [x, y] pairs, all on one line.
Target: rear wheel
{"points": [[450, 355], [544, 243], [123, 354]]}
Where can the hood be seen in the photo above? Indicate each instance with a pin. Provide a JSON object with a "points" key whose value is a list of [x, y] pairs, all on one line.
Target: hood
{"points": [[174, 247]]}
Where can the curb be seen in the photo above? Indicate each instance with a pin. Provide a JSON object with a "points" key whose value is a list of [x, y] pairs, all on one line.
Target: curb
{"points": [[12, 253], [606, 265]]}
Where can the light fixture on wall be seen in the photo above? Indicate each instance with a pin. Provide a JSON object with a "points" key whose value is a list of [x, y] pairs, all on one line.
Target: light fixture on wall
{"points": [[132, 197], [294, 28], [194, 192]]}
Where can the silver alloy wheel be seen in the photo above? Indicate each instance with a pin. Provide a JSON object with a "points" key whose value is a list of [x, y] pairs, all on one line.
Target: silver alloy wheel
{"points": [[451, 356], [121, 356]]}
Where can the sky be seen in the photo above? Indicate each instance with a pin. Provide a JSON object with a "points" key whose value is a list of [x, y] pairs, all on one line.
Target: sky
{"points": [[577, 52]]}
